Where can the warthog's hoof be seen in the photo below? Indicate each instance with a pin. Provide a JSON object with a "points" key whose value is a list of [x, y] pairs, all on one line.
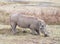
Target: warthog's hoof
{"points": [[14, 33]]}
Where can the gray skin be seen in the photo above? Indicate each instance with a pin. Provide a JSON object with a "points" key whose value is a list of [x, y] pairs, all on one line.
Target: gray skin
{"points": [[34, 24]]}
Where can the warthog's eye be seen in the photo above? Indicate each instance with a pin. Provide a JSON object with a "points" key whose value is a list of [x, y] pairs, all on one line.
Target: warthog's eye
{"points": [[42, 26]]}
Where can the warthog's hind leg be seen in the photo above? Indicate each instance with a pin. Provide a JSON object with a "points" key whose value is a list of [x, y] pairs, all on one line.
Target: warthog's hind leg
{"points": [[13, 25]]}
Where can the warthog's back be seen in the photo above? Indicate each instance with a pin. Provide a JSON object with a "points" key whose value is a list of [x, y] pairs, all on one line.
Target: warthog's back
{"points": [[23, 21]]}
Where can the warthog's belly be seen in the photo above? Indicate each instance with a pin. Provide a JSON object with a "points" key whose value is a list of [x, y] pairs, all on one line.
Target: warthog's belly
{"points": [[24, 25]]}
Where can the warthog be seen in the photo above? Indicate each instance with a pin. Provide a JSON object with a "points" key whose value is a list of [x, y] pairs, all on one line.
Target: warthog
{"points": [[28, 22]]}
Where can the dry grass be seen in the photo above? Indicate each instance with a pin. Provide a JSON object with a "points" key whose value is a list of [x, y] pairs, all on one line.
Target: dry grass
{"points": [[50, 14], [6, 36], [6, 8]]}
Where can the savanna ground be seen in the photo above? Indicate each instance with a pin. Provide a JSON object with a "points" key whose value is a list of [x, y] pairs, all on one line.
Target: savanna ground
{"points": [[6, 37]]}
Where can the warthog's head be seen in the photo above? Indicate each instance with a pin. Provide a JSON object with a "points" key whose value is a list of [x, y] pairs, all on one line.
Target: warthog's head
{"points": [[42, 28], [42, 24]]}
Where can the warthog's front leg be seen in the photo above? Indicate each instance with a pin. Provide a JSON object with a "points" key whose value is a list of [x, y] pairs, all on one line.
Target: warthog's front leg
{"points": [[33, 29], [33, 32]]}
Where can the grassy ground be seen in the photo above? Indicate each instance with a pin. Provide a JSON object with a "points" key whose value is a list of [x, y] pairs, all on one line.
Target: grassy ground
{"points": [[6, 36]]}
